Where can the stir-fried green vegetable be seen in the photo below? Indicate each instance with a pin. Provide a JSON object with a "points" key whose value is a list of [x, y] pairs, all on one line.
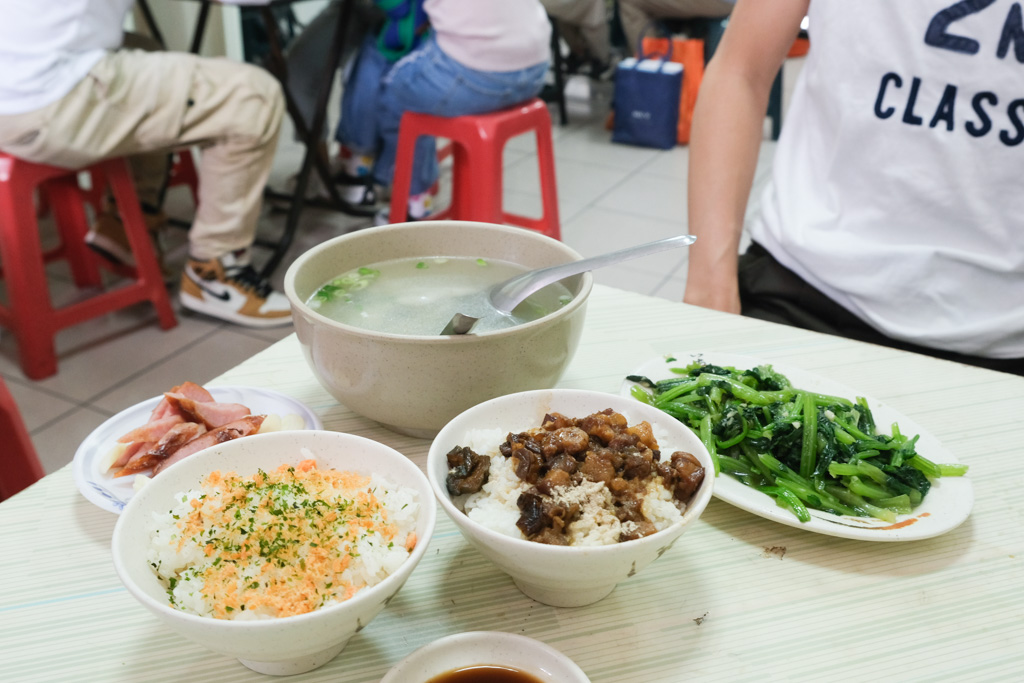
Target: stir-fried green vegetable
{"points": [[805, 449]]}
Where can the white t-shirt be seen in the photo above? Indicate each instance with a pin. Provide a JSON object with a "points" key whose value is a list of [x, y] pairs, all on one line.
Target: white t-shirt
{"points": [[898, 181], [491, 35], [47, 47]]}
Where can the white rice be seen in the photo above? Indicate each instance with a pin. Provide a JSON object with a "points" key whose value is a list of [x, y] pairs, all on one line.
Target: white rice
{"points": [[307, 574], [495, 508]]}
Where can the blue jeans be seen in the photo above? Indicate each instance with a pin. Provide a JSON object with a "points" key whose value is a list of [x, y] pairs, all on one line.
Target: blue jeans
{"points": [[427, 81], [359, 127]]}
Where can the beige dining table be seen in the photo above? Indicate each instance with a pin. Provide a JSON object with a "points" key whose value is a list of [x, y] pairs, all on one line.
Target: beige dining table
{"points": [[739, 597]]}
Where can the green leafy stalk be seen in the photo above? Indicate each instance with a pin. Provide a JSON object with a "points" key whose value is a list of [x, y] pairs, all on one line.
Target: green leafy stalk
{"points": [[808, 450]]}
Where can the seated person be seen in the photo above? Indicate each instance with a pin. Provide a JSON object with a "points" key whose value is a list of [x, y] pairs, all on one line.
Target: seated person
{"points": [[583, 25], [305, 55], [481, 56], [359, 130], [69, 97], [893, 213], [637, 15]]}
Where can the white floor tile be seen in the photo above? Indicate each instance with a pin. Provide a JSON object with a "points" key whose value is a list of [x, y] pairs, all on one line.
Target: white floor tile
{"points": [[199, 363], [37, 406], [100, 353], [670, 164], [598, 231], [673, 286], [579, 183], [650, 196], [632, 279], [591, 145], [56, 444]]}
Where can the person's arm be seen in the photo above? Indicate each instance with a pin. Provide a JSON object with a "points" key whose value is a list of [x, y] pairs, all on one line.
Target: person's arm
{"points": [[725, 139]]}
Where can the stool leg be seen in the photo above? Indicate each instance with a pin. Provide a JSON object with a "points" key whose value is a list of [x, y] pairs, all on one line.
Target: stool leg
{"points": [[402, 180], [147, 267], [462, 184], [31, 312], [483, 173], [21, 467], [548, 183], [68, 212]]}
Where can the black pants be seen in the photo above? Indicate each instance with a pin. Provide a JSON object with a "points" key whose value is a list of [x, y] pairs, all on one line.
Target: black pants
{"points": [[770, 291]]}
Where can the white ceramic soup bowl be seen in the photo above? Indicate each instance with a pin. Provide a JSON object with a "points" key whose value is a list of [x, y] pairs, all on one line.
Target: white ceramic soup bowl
{"points": [[286, 645], [494, 648], [565, 576], [416, 384]]}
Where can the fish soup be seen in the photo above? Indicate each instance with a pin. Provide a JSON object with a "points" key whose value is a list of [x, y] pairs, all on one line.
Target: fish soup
{"points": [[418, 296]]}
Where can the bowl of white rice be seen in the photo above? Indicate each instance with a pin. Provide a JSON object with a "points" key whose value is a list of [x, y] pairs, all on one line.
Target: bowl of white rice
{"points": [[277, 548], [596, 549]]}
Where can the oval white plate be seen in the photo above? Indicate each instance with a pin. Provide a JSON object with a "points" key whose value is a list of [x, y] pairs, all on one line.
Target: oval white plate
{"points": [[946, 506], [112, 493], [495, 648]]}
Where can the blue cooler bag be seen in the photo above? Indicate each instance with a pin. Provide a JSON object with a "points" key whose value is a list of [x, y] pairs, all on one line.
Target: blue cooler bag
{"points": [[646, 102]]}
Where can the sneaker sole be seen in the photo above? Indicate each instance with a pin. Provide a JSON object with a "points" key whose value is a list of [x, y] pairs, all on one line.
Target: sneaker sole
{"points": [[109, 249], [361, 210], [200, 306]]}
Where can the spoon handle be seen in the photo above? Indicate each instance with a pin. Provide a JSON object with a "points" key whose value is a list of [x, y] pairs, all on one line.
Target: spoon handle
{"points": [[509, 294]]}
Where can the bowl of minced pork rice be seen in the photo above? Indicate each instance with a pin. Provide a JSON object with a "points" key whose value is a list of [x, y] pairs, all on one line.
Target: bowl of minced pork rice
{"points": [[570, 492], [277, 548]]}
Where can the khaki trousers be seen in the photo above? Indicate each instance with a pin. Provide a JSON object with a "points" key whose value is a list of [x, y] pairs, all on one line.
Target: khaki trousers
{"points": [[584, 25], [133, 102], [636, 15]]}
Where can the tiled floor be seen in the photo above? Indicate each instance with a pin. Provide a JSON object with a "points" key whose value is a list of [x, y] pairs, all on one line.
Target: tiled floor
{"points": [[610, 196]]}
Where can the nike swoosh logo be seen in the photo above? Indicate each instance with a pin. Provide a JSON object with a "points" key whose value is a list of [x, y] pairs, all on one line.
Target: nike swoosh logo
{"points": [[223, 296]]}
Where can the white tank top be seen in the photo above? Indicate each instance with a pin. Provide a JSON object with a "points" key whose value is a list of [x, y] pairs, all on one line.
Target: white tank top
{"points": [[898, 181], [491, 35]]}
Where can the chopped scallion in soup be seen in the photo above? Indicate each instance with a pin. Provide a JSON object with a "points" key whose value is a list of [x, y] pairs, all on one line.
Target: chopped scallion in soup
{"points": [[418, 296]]}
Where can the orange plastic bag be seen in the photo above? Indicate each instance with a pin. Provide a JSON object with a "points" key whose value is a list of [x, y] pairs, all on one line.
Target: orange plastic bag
{"points": [[690, 53]]}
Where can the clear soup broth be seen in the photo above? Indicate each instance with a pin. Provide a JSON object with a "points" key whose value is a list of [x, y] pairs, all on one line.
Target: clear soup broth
{"points": [[418, 296]]}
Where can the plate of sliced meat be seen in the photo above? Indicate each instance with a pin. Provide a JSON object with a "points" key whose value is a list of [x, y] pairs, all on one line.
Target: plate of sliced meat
{"points": [[142, 441]]}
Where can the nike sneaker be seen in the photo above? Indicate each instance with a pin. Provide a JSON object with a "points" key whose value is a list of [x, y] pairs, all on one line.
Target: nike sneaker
{"points": [[107, 238], [228, 288]]}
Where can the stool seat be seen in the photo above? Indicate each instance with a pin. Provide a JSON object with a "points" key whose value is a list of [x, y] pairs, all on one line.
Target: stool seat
{"points": [[477, 144], [30, 314]]}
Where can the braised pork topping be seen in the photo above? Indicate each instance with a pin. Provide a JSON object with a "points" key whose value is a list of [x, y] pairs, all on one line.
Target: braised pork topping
{"points": [[567, 460]]}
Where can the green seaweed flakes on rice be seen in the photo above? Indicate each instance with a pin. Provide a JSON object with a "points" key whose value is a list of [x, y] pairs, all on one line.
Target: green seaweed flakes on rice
{"points": [[280, 543]]}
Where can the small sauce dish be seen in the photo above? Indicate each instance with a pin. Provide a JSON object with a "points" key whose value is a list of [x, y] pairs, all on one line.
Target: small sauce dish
{"points": [[542, 662]]}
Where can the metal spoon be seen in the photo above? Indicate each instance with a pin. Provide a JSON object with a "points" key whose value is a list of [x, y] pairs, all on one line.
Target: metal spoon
{"points": [[505, 296]]}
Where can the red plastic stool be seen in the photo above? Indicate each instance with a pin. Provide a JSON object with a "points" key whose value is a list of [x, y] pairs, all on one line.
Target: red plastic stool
{"points": [[30, 314], [477, 143], [182, 171], [19, 464]]}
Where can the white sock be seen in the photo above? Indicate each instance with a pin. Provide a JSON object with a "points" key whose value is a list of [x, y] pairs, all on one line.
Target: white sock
{"points": [[355, 164], [421, 205]]}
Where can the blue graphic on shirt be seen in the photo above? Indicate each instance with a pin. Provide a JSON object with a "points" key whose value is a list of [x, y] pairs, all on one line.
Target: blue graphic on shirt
{"points": [[937, 36], [985, 115]]}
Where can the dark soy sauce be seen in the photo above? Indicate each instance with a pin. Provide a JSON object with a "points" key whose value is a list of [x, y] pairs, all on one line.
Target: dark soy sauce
{"points": [[484, 673]]}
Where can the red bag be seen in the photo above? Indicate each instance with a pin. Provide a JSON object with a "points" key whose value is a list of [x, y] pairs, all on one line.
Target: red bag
{"points": [[690, 53]]}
